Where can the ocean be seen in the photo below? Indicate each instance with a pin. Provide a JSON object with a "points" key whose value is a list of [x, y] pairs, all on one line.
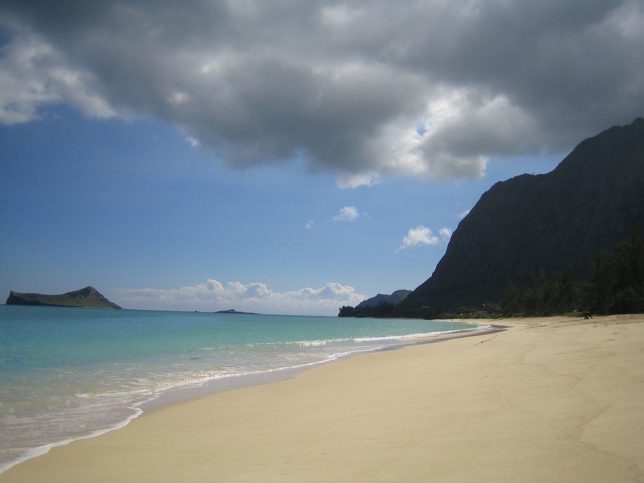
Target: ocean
{"points": [[70, 373]]}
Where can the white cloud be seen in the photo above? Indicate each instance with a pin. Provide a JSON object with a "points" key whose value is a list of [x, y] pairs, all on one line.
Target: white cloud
{"points": [[348, 213], [309, 224], [464, 214], [445, 233], [418, 236], [422, 236], [214, 295]]}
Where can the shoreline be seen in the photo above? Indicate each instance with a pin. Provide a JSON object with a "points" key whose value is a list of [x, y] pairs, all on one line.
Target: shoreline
{"points": [[182, 394], [522, 393], [240, 381]]}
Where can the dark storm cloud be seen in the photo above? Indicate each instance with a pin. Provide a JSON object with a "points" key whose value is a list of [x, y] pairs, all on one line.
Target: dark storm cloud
{"points": [[359, 88]]}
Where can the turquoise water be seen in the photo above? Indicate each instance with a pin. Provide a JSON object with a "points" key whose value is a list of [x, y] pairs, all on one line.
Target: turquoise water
{"points": [[72, 373]]}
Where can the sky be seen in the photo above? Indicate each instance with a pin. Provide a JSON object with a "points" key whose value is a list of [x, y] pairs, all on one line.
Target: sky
{"points": [[283, 156]]}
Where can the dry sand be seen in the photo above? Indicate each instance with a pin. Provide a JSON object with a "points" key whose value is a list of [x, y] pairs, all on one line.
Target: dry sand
{"points": [[548, 400]]}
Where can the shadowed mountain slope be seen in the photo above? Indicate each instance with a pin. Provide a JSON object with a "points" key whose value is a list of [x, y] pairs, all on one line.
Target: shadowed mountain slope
{"points": [[394, 298], [535, 225]]}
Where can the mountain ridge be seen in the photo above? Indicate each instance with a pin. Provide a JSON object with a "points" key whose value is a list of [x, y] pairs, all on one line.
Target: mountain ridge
{"points": [[541, 224], [393, 298]]}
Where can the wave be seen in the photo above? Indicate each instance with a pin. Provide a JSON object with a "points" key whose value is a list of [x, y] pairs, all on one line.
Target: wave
{"points": [[322, 342], [384, 338], [43, 449]]}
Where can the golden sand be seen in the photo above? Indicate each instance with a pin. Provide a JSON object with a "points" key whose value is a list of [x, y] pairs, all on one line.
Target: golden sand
{"points": [[553, 399]]}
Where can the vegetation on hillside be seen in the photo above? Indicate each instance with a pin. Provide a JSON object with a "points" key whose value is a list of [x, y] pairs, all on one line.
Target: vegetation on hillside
{"points": [[616, 286], [385, 309]]}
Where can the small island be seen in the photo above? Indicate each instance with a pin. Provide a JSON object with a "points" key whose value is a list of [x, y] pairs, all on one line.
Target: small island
{"points": [[233, 311], [87, 297]]}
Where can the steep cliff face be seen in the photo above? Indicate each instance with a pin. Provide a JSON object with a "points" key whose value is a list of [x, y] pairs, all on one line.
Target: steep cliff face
{"points": [[541, 224], [85, 297]]}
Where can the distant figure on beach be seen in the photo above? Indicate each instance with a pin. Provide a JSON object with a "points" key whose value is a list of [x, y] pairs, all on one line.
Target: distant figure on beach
{"points": [[588, 315]]}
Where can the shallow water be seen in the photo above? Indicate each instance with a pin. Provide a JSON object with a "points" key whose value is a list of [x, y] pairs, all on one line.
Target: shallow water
{"points": [[68, 373]]}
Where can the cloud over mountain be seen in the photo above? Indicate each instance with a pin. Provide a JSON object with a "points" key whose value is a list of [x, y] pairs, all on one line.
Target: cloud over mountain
{"points": [[359, 89]]}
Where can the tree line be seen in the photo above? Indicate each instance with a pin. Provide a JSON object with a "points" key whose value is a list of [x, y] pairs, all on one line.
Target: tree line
{"points": [[616, 285], [385, 309]]}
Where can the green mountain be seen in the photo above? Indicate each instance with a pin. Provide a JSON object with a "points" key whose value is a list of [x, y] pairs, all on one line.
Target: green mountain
{"points": [[534, 226], [85, 297]]}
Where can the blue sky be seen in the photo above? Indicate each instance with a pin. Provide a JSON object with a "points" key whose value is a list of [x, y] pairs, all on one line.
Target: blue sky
{"points": [[132, 204], [283, 157]]}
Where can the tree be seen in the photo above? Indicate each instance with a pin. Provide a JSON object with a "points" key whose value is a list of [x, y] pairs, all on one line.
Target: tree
{"points": [[347, 311], [617, 284]]}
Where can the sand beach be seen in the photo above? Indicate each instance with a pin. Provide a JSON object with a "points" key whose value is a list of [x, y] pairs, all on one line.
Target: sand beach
{"points": [[548, 399]]}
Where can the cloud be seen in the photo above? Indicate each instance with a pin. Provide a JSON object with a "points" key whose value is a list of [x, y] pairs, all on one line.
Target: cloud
{"points": [[418, 236], [33, 74], [357, 180], [348, 213], [254, 297], [445, 233], [193, 142], [309, 224], [361, 89]]}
